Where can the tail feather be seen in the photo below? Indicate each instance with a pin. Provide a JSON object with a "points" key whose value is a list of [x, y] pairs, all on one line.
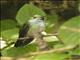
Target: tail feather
{"points": [[23, 42]]}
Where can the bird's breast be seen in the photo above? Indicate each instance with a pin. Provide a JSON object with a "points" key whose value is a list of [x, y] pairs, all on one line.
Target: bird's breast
{"points": [[36, 26]]}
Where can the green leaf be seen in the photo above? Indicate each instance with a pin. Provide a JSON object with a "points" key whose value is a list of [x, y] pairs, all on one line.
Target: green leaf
{"points": [[69, 32], [20, 51], [10, 34], [7, 24], [50, 22], [26, 12]]}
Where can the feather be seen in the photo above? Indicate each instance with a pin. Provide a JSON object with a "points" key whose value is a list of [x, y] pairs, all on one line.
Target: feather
{"points": [[23, 42], [22, 34]]}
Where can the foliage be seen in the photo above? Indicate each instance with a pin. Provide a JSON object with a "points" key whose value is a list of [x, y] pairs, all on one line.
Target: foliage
{"points": [[56, 56], [10, 35], [69, 34], [7, 24], [20, 51], [26, 12], [51, 20]]}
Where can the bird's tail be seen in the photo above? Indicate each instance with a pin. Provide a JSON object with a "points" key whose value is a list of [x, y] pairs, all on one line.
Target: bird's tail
{"points": [[23, 42]]}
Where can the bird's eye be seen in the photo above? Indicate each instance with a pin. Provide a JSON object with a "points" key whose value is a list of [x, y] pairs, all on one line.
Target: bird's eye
{"points": [[42, 18], [34, 17]]}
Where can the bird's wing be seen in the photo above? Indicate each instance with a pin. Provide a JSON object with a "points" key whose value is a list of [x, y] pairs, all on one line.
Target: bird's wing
{"points": [[24, 30], [21, 41]]}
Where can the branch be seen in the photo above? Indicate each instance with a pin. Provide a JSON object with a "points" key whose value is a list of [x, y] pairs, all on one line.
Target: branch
{"points": [[53, 50], [8, 45]]}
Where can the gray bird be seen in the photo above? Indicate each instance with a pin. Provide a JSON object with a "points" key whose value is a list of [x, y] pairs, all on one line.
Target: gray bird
{"points": [[31, 30]]}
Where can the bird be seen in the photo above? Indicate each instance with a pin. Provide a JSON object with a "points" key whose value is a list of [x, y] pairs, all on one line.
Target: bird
{"points": [[31, 30]]}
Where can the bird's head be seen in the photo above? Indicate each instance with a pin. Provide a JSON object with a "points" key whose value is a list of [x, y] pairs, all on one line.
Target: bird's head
{"points": [[38, 17], [37, 20]]}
